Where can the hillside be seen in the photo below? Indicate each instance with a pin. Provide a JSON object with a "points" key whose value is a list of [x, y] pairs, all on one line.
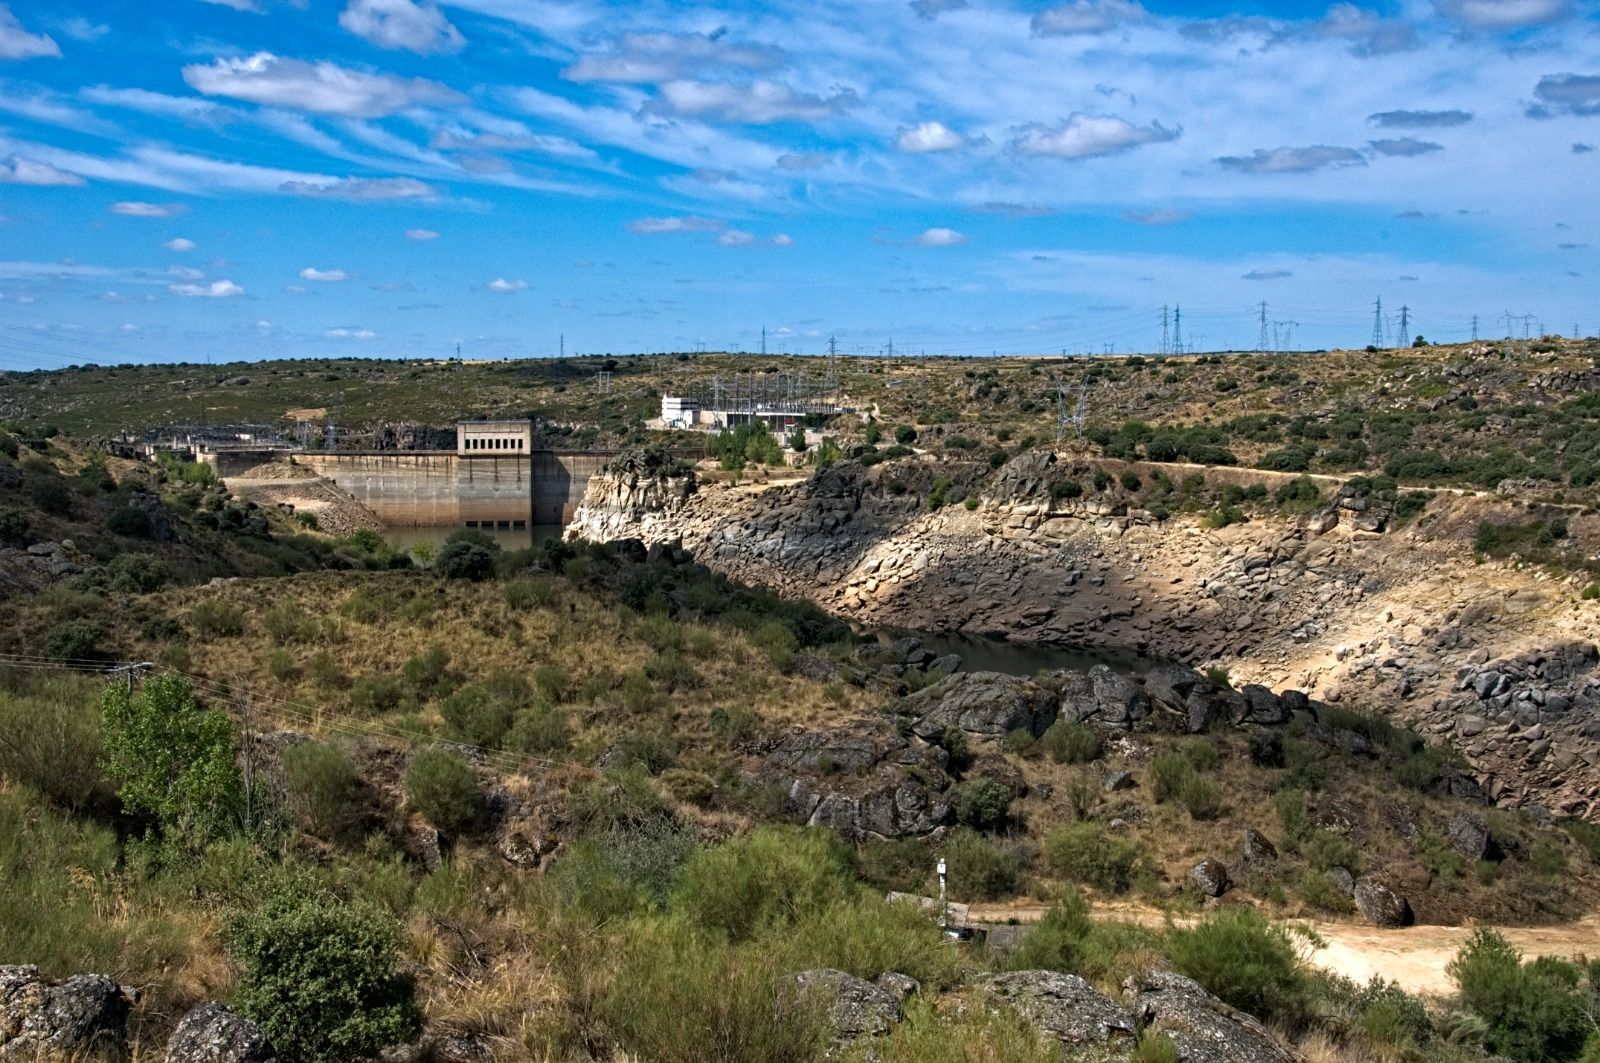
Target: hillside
{"points": [[620, 752]]}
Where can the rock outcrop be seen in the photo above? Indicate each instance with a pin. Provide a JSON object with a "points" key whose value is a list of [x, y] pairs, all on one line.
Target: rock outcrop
{"points": [[1204, 1029], [211, 1033], [85, 1016], [855, 1007], [1067, 1009]]}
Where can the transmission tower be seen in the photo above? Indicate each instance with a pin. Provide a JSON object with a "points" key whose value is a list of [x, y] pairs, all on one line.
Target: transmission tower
{"points": [[1177, 329], [763, 341], [1165, 341], [1261, 340], [1080, 413], [1061, 411], [1404, 338], [1377, 323], [1474, 328]]}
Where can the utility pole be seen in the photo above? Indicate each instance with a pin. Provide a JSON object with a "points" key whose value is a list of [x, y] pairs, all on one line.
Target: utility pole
{"points": [[1405, 326], [1377, 323], [763, 341], [1474, 328], [563, 345], [1261, 340]]}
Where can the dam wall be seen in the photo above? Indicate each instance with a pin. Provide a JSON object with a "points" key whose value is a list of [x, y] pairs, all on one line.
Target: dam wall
{"points": [[442, 488]]}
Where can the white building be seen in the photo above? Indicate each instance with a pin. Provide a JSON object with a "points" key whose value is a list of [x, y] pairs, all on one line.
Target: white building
{"points": [[679, 412]]}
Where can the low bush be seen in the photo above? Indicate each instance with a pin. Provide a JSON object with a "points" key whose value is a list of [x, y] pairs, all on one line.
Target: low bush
{"points": [[1242, 957], [320, 783], [375, 695], [1535, 1011], [982, 804], [76, 640], [539, 731], [476, 716], [443, 788], [1087, 854], [1070, 742], [772, 877], [323, 978], [216, 619], [982, 868]]}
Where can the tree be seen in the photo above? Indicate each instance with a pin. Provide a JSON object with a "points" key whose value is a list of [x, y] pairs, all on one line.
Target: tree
{"points": [[322, 978], [797, 441], [441, 786], [464, 560], [172, 759]]}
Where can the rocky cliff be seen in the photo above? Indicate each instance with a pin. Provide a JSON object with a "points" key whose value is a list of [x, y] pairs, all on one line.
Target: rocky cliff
{"points": [[1498, 657]]}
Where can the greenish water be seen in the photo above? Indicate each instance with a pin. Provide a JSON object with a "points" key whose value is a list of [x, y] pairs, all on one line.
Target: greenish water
{"points": [[509, 539]]}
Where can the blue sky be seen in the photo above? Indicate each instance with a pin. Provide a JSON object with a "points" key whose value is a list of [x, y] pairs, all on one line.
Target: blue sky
{"points": [[258, 178]]}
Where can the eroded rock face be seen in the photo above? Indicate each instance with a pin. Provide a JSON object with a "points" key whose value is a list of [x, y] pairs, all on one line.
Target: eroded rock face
{"points": [[856, 1007], [1469, 834], [1210, 877], [1204, 1029], [84, 1015], [1068, 1009], [636, 483], [1381, 905], [983, 704], [213, 1034]]}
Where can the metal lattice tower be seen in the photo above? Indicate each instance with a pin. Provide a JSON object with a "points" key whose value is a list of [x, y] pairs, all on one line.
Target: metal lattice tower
{"points": [[1177, 329], [1377, 323], [1474, 328], [1165, 340], [1261, 340], [1061, 411], [1404, 340], [602, 380]]}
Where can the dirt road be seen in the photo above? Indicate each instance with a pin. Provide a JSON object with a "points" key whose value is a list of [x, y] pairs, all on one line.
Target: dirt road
{"points": [[1414, 957]]}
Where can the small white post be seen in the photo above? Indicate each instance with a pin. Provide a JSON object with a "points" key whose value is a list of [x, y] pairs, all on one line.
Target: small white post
{"points": [[944, 911]]}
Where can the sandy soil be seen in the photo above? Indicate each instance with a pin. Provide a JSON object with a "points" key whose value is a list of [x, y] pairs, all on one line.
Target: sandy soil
{"points": [[1414, 957]]}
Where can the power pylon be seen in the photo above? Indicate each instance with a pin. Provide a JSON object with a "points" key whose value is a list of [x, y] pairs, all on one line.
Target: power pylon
{"points": [[1377, 323], [1261, 339]]}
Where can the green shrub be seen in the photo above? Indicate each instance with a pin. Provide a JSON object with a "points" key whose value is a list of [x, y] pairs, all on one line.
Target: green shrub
{"points": [[1070, 742], [476, 716], [428, 673], [130, 522], [320, 783], [282, 666], [1170, 772], [465, 560], [903, 864], [323, 978], [443, 788], [681, 998], [76, 640], [375, 695], [1086, 853], [905, 435], [137, 573], [1066, 489], [539, 731], [623, 870], [1325, 850], [981, 868], [778, 642], [50, 740], [1201, 797], [51, 495], [1534, 1011], [1155, 1047], [215, 619], [982, 804], [1239, 955], [14, 527], [172, 760], [772, 877], [1318, 889], [287, 623]]}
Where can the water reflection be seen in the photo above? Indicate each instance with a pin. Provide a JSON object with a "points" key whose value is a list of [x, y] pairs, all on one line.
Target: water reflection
{"points": [[508, 538]]}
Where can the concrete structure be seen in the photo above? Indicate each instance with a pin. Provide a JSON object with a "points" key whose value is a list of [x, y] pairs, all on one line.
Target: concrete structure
{"points": [[484, 438], [440, 489]]}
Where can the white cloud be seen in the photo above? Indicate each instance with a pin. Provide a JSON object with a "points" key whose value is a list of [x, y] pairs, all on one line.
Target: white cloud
{"points": [[758, 103], [1086, 17], [660, 226], [81, 29], [20, 171], [1084, 136], [247, 6], [932, 9], [1504, 14], [783, 240], [180, 243], [18, 43], [402, 24], [1267, 275], [500, 284], [184, 273], [326, 276], [939, 237], [928, 137], [1160, 216], [647, 58], [350, 333], [1293, 160], [361, 188], [137, 209], [421, 234], [223, 289], [324, 88], [1404, 147], [736, 238]]}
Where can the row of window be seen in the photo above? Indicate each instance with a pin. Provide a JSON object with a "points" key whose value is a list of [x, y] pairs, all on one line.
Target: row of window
{"points": [[502, 525], [494, 444]]}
